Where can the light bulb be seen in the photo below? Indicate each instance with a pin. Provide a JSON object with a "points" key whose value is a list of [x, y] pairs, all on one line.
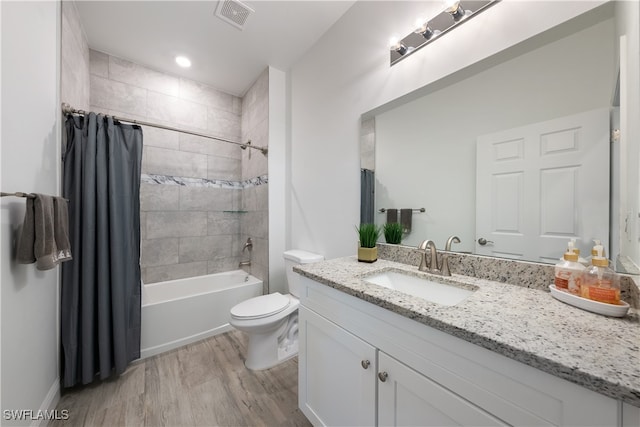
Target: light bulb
{"points": [[422, 28], [396, 45], [451, 6], [183, 61], [394, 41]]}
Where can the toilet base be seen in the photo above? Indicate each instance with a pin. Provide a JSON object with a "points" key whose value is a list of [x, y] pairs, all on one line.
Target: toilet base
{"points": [[266, 350]]}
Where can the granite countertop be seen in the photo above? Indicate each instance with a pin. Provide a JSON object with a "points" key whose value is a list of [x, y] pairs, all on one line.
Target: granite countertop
{"points": [[529, 325]]}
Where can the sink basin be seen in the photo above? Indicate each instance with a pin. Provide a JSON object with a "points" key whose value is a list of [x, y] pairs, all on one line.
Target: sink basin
{"points": [[439, 293]]}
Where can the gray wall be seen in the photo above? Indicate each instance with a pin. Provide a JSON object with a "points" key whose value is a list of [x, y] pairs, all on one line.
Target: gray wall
{"points": [[30, 152], [192, 192]]}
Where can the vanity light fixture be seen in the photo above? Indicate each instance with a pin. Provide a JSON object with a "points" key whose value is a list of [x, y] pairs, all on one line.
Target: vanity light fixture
{"points": [[427, 31], [183, 61]]}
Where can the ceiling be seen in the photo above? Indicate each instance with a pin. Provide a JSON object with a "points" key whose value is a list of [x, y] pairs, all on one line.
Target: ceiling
{"points": [[152, 33]]}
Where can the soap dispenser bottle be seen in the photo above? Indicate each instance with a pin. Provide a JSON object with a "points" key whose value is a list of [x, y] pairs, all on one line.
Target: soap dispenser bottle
{"points": [[600, 282], [568, 272], [572, 246], [597, 243]]}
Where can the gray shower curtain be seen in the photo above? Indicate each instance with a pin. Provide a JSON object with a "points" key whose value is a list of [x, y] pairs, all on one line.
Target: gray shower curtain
{"points": [[100, 293], [367, 195]]}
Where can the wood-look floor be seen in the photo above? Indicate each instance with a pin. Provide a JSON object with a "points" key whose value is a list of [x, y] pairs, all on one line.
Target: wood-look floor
{"points": [[202, 384]]}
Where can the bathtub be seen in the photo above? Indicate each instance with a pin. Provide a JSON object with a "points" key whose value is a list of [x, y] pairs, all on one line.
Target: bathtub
{"points": [[179, 312]]}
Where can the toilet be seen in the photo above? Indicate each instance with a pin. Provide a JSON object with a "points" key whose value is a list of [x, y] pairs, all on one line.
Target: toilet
{"points": [[271, 321]]}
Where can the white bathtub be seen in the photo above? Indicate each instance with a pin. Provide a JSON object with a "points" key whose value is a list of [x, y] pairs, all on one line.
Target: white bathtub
{"points": [[179, 312]]}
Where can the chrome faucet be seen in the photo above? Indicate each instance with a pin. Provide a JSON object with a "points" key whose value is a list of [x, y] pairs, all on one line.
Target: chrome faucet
{"points": [[248, 245], [445, 256], [433, 264]]}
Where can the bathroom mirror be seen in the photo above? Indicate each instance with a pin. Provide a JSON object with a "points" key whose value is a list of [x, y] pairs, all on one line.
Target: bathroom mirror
{"points": [[423, 148]]}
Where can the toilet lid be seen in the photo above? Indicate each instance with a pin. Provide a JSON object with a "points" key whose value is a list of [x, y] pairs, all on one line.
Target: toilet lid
{"points": [[262, 306]]}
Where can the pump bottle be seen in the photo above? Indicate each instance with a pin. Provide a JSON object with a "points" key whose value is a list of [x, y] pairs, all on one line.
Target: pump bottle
{"points": [[600, 282]]}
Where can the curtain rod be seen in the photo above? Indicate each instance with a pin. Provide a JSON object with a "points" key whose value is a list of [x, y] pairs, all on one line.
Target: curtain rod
{"points": [[67, 109]]}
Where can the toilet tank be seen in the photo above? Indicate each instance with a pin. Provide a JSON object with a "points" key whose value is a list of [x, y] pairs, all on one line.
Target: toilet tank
{"points": [[297, 257]]}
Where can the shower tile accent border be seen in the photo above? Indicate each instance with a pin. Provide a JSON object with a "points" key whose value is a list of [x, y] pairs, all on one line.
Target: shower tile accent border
{"points": [[514, 272], [203, 182]]}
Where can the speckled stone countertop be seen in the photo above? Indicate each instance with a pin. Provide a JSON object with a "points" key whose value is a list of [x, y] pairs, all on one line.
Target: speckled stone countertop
{"points": [[529, 325]]}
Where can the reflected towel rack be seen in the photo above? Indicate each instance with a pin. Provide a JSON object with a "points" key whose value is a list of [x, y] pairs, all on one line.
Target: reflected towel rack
{"points": [[383, 210], [18, 194]]}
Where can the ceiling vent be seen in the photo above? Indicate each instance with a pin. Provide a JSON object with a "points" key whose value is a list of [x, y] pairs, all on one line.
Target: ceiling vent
{"points": [[233, 12]]}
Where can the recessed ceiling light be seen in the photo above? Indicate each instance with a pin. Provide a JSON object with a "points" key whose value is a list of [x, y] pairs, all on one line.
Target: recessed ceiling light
{"points": [[183, 61]]}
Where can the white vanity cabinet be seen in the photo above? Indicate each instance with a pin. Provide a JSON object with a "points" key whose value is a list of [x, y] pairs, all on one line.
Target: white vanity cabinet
{"points": [[430, 377], [341, 369]]}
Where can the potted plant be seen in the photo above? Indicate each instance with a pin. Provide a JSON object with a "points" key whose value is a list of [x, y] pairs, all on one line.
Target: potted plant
{"points": [[367, 250], [392, 232]]}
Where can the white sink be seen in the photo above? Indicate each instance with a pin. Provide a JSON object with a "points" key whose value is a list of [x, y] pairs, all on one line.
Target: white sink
{"points": [[439, 293]]}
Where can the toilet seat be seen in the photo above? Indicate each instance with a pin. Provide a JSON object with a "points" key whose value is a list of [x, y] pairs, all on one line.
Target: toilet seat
{"points": [[261, 306]]}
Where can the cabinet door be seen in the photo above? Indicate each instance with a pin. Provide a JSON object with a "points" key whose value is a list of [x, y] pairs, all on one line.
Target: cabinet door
{"points": [[407, 398], [337, 383]]}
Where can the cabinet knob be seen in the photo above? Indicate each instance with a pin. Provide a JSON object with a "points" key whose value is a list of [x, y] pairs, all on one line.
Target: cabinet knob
{"points": [[365, 364], [383, 376]]}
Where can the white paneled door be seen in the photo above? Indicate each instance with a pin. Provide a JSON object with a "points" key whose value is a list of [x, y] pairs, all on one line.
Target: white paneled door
{"points": [[540, 185]]}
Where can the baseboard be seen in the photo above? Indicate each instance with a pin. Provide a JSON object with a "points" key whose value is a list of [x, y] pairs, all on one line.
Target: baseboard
{"points": [[171, 345], [49, 403]]}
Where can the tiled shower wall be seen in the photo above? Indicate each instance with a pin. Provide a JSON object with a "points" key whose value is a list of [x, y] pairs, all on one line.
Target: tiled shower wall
{"points": [[255, 222], [74, 58], [192, 190]]}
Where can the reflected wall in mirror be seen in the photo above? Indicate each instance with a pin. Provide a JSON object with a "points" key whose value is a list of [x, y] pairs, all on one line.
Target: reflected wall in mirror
{"points": [[425, 149]]}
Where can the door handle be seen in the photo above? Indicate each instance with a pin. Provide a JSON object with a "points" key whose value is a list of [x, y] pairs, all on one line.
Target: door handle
{"points": [[383, 376], [365, 364], [482, 241]]}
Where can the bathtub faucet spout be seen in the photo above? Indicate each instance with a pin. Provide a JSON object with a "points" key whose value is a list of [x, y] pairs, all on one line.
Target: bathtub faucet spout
{"points": [[244, 263]]}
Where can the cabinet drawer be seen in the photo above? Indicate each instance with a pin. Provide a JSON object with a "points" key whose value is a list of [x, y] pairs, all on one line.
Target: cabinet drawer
{"points": [[407, 398]]}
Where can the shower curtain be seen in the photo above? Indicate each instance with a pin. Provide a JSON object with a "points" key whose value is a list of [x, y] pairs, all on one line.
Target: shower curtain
{"points": [[367, 195], [100, 292]]}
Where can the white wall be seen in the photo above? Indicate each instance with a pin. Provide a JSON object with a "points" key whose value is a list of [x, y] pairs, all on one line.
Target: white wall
{"points": [[30, 137], [347, 73], [426, 149], [277, 178]]}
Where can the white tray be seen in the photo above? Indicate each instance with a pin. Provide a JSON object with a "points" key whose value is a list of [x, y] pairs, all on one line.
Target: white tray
{"points": [[612, 310]]}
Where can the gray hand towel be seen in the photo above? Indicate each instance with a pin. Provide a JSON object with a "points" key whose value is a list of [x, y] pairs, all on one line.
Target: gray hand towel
{"points": [[61, 229], [44, 237], [27, 236], [405, 219], [44, 245], [392, 215]]}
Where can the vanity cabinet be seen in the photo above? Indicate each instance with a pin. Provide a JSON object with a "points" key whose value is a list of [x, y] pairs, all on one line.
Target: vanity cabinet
{"points": [[417, 375], [341, 369], [340, 373]]}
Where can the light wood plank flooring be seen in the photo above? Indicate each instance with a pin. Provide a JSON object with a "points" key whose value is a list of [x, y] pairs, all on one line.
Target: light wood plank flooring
{"points": [[202, 384]]}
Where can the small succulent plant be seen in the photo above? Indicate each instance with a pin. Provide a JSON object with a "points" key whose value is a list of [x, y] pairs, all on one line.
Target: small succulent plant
{"points": [[369, 234], [392, 232]]}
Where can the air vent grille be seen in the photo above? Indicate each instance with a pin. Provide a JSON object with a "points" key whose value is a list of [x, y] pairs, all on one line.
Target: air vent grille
{"points": [[233, 12]]}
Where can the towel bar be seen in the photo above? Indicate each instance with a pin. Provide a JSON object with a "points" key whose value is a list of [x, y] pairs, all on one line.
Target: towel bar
{"points": [[18, 194], [383, 210]]}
